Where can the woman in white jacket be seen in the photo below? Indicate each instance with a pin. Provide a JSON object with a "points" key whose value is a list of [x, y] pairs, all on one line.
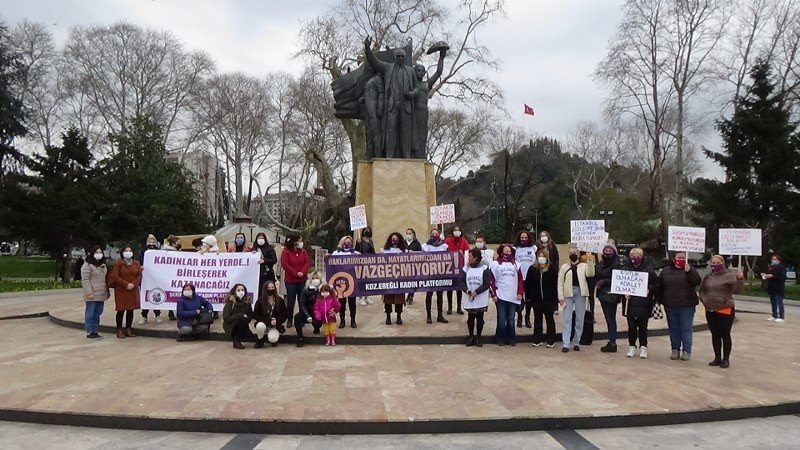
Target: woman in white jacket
{"points": [[573, 289], [95, 290]]}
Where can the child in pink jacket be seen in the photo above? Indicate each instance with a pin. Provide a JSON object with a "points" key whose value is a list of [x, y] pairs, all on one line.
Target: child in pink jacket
{"points": [[325, 310]]}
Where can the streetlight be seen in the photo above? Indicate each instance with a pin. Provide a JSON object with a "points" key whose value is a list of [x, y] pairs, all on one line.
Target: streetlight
{"points": [[609, 214], [536, 221]]}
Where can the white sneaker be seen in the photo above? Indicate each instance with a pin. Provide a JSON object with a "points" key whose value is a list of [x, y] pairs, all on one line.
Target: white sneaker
{"points": [[159, 319], [631, 352], [142, 321], [771, 319], [363, 302], [779, 321], [643, 353]]}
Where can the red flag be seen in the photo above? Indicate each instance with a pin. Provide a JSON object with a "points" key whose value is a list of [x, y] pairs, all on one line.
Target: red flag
{"points": [[528, 110]]}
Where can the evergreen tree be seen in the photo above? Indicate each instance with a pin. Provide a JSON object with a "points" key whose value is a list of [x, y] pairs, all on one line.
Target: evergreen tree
{"points": [[11, 112]]}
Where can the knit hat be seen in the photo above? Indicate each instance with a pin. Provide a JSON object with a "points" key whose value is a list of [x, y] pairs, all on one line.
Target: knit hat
{"points": [[152, 239], [613, 248], [209, 240]]}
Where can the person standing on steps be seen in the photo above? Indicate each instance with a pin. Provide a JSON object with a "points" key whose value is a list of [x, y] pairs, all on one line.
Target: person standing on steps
{"points": [[541, 289], [526, 256], [126, 277], [306, 307], [95, 291], [639, 309], [365, 246], [546, 243], [150, 244], [412, 245], [608, 301], [478, 281], [435, 244], [677, 286], [266, 260], [508, 289], [346, 248], [456, 242], [325, 310], [487, 254], [237, 315], [239, 244], [775, 277], [295, 262], [573, 290], [716, 294], [394, 244]]}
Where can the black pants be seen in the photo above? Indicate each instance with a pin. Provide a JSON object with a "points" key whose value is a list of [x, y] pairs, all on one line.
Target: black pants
{"points": [[439, 302], [241, 330], [344, 302], [157, 312], [128, 318], [524, 305], [472, 317], [300, 321], [543, 313], [720, 327], [637, 327], [459, 296], [398, 308]]}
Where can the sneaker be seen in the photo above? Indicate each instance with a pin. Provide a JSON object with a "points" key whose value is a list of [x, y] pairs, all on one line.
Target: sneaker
{"points": [[142, 320], [779, 320], [551, 345], [643, 352], [686, 356], [363, 302], [536, 344], [771, 319], [676, 354], [159, 319], [631, 352]]}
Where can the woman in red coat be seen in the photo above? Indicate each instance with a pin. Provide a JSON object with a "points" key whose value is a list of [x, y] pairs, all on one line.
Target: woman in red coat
{"points": [[126, 277], [456, 242], [295, 263]]}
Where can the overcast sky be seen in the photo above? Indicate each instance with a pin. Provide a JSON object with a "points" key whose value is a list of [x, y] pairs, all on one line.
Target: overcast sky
{"points": [[548, 48]]}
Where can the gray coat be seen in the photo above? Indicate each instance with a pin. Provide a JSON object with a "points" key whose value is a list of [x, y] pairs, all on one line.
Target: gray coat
{"points": [[93, 280]]}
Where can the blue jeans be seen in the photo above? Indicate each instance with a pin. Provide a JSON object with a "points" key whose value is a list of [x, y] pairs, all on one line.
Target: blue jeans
{"points": [[293, 291], [575, 303], [610, 313], [679, 321], [777, 306], [506, 333], [91, 317]]}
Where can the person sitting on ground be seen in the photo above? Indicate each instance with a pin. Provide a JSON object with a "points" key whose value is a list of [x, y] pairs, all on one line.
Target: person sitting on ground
{"points": [[190, 305], [237, 315], [270, 315]]}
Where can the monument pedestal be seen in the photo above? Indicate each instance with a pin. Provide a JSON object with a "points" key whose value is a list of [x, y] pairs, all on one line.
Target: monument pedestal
{"points": [[397, 194]]}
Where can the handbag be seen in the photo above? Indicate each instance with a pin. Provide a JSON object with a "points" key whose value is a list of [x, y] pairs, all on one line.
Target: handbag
{"points": [[205, 318], [658, 313]]}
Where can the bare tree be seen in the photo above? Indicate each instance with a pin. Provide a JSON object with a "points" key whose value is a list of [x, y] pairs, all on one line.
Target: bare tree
{"points": [[455, 138]]}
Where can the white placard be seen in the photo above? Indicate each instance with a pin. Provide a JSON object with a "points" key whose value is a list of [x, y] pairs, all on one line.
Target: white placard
{"points": [[629, 282], [213, 275], [443, 214], [686, 239], [358, 217], [588, 235], [740, 241]]}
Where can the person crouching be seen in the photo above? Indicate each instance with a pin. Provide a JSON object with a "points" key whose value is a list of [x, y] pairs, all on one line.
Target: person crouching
{"points": [[237, 315], [190, 305], [270, 313]]}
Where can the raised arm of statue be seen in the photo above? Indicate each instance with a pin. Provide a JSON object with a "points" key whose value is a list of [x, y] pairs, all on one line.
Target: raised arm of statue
{"points": [[377, 64], [439, 69]]}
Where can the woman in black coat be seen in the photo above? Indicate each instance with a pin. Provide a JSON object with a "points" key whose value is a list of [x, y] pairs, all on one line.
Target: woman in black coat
{"points": [[541, 289], [639, 309], [267, 260], [608, 301]]}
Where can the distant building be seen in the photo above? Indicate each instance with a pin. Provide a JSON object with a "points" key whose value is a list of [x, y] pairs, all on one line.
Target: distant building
{"points": [[206, 170], [285, 207]]}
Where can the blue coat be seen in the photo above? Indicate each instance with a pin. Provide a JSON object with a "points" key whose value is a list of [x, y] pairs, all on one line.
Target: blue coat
{"points": [[187, 309]]}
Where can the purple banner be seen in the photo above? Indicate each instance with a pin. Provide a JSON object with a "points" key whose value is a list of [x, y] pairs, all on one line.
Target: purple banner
{"points": [[395, 273]]}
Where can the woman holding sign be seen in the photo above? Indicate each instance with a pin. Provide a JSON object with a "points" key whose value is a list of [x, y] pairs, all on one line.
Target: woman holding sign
{"points": [[676, 291], [456, 242], [639, 309], [573, 289], [716, 293], [346, 248]]}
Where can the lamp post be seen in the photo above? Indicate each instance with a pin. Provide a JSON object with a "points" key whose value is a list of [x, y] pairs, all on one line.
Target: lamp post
{"points": [[607, 214], [536, 221]]}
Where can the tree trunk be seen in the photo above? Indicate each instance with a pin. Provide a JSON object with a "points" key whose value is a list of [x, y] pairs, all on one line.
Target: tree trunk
{"points": [[679, 164]]}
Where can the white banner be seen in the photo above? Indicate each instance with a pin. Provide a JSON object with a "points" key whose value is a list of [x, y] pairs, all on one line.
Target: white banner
{"points": [[588, 235], [686, 239], [629, 282], [740, 241], [213, 276], [358, 217], [443, 214]]}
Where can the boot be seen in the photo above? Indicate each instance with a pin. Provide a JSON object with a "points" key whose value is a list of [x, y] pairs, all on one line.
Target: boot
{"points": [[120, 333], [353, 322], [439, 306], [333, 340], [429, 316], [449, 303], [528, 322], [470, 341], [341, 322], [478, 342], [399, 318], [609, 348], [300, 342], [328, 340], [519, 321], [237, 344], [458, 306], [129, 332], [259, 343], [172, 315], [441, 319], [388, 318]]}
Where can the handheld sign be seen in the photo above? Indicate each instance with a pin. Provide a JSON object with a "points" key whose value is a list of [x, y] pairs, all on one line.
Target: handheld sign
{"points": [[687, 239], [588, 235], [443, 214], [740, 241], [358, 217], [629, 282]]}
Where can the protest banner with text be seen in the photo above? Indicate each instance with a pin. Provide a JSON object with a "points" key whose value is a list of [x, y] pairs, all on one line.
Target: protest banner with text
{"points": [[629, 282], [358, 217], [443, 214], [686, 239], [740, 241], [588, 235]]}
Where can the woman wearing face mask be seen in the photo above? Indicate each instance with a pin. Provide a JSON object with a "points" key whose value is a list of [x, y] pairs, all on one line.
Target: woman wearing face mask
{"points": [[150, 244], [458, 242], [95, 291], [306, 307], [270, 313], [346, 248], [239, 244], [435, 244], [394, 244], [126, 277], [546, 243], [507, 288], [478, 280], [526, 256], [412, 245], [775, 276], [190, 305], [365, 246], [267, 259], [487, 254], [639, 309], [677, 286], [541, 290], [295, 263], [716, 293], [208, 245], [573, 289], [608, 301], [237, 314]]}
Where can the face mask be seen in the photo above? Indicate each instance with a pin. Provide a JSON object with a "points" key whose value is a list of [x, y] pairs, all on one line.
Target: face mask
{"points": [[480, 245], [240, 294], [299, 245], [523, 241], [347, 245], [127, 255], [239, 241], [315, 282], [542, 260], [187, 294], [544, 239], [435, 237], [457, 233], [775, 262], [395, 241], [152, 246], [636, 260], [325, 292], [680, 263], [508, 257], [367, 234], [409, 237], [98, 256], [271, 291], [573, 258], [608, 255], [261, 241], [718, 267]]}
